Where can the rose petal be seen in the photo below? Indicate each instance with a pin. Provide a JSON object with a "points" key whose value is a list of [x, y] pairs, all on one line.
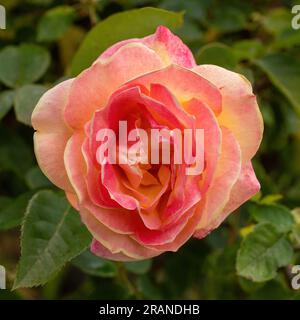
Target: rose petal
{"points": [[240, 110], [206, 120], [75, 165], [73, 199], [92, 88], [163, 236], [163, 95], [52, 134], [218, 194], [184, 235], [117, 243], [169, 47], [184, 85], [47, 116], [246, 187], [99, 250]]}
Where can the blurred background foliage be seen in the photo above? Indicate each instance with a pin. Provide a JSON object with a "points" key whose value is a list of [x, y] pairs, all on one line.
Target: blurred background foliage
{"points": [[251, 255]]}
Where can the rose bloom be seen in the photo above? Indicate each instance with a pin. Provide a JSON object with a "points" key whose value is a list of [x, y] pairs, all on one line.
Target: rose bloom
{"points": [[139, 211]]}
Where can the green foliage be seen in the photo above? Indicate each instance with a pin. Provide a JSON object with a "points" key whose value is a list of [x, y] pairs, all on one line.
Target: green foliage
{"points": [[55, 23], [26, 99], [22, 65], [284, 72], [15, 155], [47, 240], [13, 210], [6, 102], [248, 49], [194, 9], [217, 53], [95, 266], [279, 216], [229, 18], [140, 267], [262, 252], [249, 256], [130, 24], [36, 179], [278, 23]]}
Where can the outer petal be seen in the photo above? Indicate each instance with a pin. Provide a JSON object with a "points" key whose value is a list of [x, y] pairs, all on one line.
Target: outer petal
{"points": [[240, 111], [75, 165], [246, 187], [99, 250], [218, 194], [92, 88], [52, 133], [117, 243], [168, 46], [98, 194], [73, 199], [120, 220]]}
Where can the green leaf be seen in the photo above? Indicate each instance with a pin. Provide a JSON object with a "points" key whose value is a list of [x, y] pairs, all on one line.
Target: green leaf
{"points": [[95, 266], [279, 216], [295, 236], [250, 286], [36, 179], [218, 54], [215, 284], [278, 23], [6, 102], [40, 2], [12, 213], [148, 289], [15, 154], [277, 20], [52, 234], [230, 17], [4, 201], [246, 72], [139, 267], [248, 49], [262, 252], [272, 290], [195, 9], [296, 215], [190, 34], [26, 99], [284, 72], [22, 65], [55, 23], [271, 199], [120, 26]]}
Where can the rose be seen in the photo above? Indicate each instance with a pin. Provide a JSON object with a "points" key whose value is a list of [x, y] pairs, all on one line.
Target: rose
{"points": [[139, 211]]}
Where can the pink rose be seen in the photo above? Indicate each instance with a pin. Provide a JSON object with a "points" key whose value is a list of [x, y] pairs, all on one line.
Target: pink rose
{"points": [[138, 211]]}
